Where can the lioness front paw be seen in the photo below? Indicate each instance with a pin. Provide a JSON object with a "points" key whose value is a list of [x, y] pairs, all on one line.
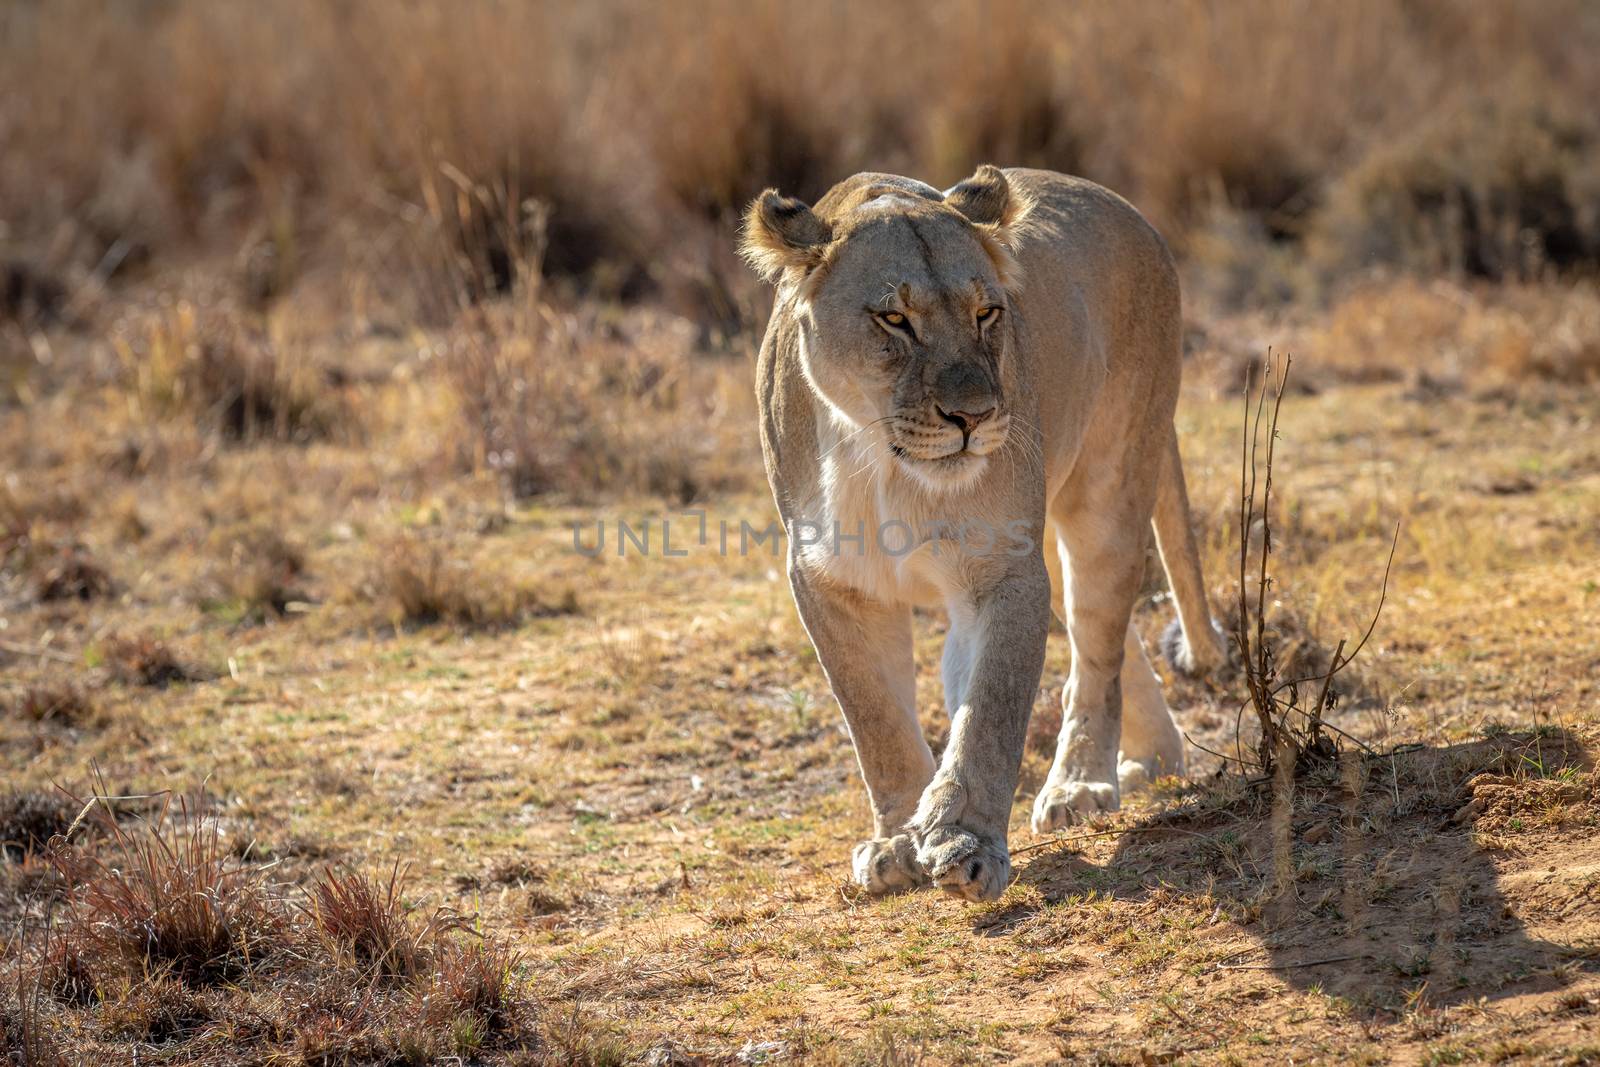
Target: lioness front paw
{"points": [[964, 863], [887, 865], [1059, 806]]}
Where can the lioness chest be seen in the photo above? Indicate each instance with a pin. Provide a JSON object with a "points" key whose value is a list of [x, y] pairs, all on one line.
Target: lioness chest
{"points": [[867, 529]]}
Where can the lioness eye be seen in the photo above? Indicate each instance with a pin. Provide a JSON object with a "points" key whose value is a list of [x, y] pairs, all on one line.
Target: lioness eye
{"points": [[985, 314], [894, 318]]}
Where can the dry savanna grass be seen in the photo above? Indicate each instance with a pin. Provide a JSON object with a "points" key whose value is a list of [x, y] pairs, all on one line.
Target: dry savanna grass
{"points": [[328, 334], [423, 586], [648, 805], [170, 939], [462, 150]]}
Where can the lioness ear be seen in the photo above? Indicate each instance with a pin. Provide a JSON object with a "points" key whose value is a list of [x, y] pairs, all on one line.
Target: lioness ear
{"points": [[987, 199], [998, 211], [781, 232]]}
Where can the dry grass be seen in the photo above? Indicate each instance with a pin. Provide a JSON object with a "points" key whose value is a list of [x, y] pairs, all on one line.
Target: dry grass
{"points": [[147, 661], [28, 820], [258, 571], [653, 807], [71, 575], [369, 920], [58, 704], [578, 403], [219, 373], [1448, 335], [422, 585], [27, 1040], [347, 316], [476, 980], [1358, 130], [168, 899], [168, 940]]}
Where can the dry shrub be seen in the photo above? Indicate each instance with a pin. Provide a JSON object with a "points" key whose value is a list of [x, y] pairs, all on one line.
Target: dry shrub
{"points": [[63, 704], [170, 897], [369, 920], [144, 660], [1291, 684], [259, 569], [1406, 329], [30, 818], [227, 377], [550, 402], [1502, 189], [422, 586], [641, 128], [71, 574]]}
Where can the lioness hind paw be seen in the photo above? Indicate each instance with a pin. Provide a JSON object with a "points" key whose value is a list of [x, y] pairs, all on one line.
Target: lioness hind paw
{"points": [[1059, 806], [1135, 774], [887, 865]]}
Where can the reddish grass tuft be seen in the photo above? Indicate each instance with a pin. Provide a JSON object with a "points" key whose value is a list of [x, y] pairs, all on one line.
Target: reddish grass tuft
{"points": [[72, 575], [67, 973], [146, 661], [368, 919], [477, 980], [27, 1035], [169, 897], [64, 704]]}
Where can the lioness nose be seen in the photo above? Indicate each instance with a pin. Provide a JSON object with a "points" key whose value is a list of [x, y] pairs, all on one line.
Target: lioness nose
{"points": [[967, 420]]}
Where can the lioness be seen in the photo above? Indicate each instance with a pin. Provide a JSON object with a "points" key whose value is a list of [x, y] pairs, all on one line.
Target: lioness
{"points": [[1004, 354]]}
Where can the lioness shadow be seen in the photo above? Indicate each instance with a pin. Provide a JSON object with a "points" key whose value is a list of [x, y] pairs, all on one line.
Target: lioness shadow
{"points": [[1384, 885]]}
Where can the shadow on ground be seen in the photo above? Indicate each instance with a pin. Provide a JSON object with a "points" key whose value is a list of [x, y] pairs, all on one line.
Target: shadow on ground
{"points": [[1398, 879]]}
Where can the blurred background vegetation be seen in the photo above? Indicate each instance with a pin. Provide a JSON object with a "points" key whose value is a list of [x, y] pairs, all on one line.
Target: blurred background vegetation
{"points": [[438, 148], [253, 220]]}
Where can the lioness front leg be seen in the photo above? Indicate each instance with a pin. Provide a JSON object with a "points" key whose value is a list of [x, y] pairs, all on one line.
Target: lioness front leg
{"points": [[865, 651], [1104, 546], [961, 822]]}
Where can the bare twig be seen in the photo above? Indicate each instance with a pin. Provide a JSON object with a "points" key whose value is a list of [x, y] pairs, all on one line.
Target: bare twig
{"points": [[1290, 728], [1286, 966], [1075, 838]]}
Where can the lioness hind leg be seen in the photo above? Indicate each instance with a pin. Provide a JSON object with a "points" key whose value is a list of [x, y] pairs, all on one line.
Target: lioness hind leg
{"points": [[1102, 536], [1151, 743], [955, 666]]}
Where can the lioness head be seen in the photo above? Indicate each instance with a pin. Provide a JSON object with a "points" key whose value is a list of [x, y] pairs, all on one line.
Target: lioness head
{"points": [[901, 298]]}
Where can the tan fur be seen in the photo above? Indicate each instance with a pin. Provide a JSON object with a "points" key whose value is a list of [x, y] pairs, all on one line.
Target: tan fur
{"points": [[1024, 378]]}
